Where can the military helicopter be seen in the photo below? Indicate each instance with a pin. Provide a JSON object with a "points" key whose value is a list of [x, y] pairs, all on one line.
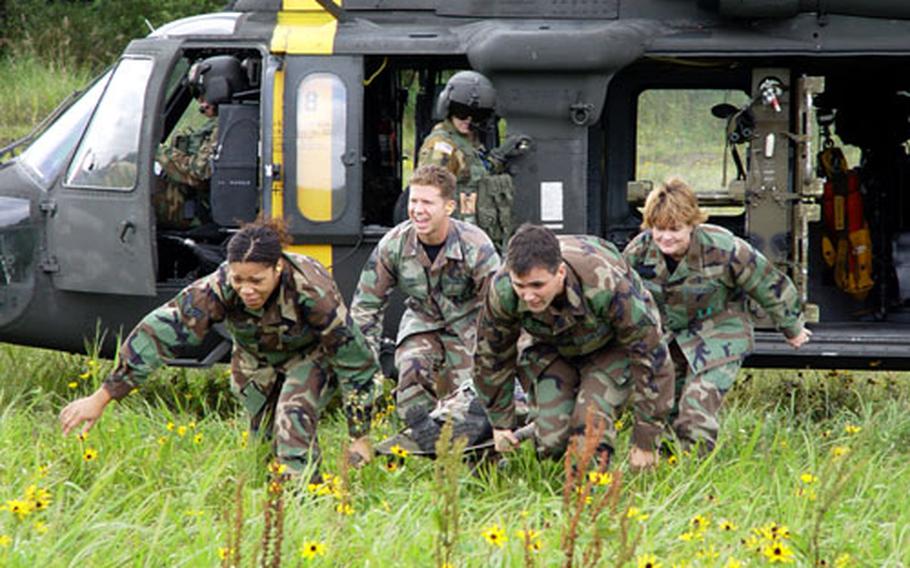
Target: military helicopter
{"points": [[333, 96]]}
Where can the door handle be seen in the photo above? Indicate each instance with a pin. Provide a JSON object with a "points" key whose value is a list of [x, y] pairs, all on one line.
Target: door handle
{"points": [[126, 228]]}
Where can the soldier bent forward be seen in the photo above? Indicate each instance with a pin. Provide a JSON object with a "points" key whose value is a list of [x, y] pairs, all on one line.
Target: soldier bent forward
{"points": [[596, 341], [700, 276], [292, 339]]}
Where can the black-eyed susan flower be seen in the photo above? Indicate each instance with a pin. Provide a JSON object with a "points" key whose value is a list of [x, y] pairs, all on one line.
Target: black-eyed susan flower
{"points": [[162, 440], [773, 531], [851, 429], [778, 552], [197, 439], [672, 460], [43, 470], [90, 454], [598, 478], [344, 509], [181, 431], [808, 478], [391, 466], [839, 451], [495, 536], [170, 426], [83, 436], [647, 561], [692, 536], [751, 543], [399, 451], [244, 438], [581, 491], [699, 523], [727, 526], [40, 498], [20, 507], [312, 549]]}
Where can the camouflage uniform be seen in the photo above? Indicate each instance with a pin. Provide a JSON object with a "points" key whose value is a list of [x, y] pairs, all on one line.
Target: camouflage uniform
{"points": [[596, 344], [287, 356], [437, 332], [447, 147], [187, 167], [707, 325]]}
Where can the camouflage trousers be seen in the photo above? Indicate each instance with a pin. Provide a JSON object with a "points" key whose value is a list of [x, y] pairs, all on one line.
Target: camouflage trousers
{"points": [[563, 390], [698, 400], [284, 402], [430, 366]]}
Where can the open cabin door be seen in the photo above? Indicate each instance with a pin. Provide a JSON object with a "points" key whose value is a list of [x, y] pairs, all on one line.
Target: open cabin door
{"points": [[322, 143], [100, 225]]}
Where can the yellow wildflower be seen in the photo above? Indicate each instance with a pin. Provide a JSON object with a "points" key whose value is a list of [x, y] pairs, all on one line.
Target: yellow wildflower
{"points": [[391, 466], [808, 478], [197, 439], [244, 438], [851, 429], [778, 552], [90, 454], [839, 451], [72, 384], [43, 470], [672, 460], [648, 561], [691, 536], [39, 527], [399, 451], [312, 549], [39, 498], [699, 523], [682, 564], [581, 491], [733, 563], [635, 513], [20, 508], [774, 531], [598, 478], [181, 431], [84, 375], [276, 468], [192, 425], [344, 509], [162, 440], [527, 535], [727, 526], [170, 426], [225, 552], [495, 536], [619, 424], [5, 541], [843, 560], [83, 436]]}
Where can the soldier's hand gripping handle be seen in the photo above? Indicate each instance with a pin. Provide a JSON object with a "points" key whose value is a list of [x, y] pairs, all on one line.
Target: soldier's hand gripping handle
{"points": [[87, 409], [512, 147]]}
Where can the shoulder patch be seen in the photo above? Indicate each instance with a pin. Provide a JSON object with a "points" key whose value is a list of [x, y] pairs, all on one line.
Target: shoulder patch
{"points": [[443, 147]]}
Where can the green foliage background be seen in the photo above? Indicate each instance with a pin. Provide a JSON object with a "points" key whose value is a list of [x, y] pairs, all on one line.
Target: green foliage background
{"points": [[48, 49]]}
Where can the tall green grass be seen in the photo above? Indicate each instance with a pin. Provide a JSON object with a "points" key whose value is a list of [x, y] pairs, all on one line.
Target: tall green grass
{"points": [[30, 88], [154, 497]]}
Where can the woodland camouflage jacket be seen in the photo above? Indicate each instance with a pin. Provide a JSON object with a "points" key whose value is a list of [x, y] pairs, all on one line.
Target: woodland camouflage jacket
{"points": [[306, 312], [702, 302], [445, 294], [604, 305]]}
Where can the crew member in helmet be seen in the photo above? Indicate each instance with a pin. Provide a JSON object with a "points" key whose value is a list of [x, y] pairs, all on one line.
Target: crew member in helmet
{"points": [[484, 189], [181, 198]]}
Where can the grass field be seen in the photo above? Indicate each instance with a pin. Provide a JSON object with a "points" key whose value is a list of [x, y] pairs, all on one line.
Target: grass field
{"points": [[822, 455]]}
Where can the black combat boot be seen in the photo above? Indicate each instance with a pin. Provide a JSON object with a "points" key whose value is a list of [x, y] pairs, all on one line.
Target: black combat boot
{"points": [[424, 430]]}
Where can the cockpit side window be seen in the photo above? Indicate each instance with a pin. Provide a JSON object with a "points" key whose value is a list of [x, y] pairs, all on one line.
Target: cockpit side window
{"points": [[107, 158]]}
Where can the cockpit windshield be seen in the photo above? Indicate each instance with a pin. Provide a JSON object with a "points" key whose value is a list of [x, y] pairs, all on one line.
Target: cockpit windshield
{"points": [[46, 156]]}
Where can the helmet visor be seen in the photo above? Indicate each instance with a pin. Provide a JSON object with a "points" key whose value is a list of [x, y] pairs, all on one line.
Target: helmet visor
{"points": [[463, 112]]}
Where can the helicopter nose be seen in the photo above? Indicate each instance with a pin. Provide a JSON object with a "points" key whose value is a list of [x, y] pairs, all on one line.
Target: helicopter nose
{"points": [[20, 237]]}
